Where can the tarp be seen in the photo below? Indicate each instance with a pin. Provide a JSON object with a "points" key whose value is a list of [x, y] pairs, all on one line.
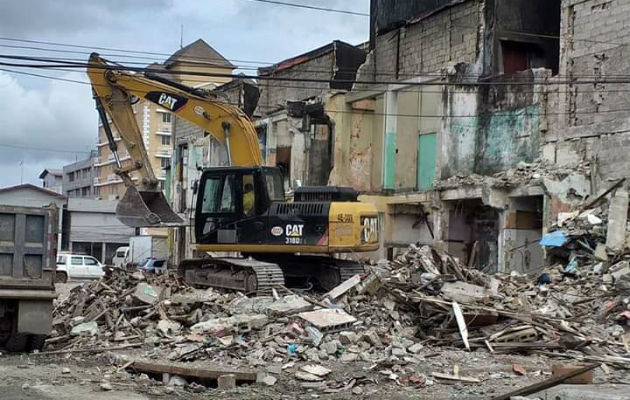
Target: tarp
{"points": [[554, 239]]}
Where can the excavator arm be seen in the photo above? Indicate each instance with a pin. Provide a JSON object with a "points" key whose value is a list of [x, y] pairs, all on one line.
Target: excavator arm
{"points": [[115, 89]]}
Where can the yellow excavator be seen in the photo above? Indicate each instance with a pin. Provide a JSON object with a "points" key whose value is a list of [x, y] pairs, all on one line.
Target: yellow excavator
{"points": [[240, 208]]}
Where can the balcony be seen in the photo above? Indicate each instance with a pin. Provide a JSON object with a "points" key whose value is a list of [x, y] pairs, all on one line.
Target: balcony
{"points": [[163, 154], [101, 161], [105, 143]]}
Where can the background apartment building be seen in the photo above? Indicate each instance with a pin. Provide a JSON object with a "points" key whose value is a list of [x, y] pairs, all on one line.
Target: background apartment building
{"points": [[79, 177]]}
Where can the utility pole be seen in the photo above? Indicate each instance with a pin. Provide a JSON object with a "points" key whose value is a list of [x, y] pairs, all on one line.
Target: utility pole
{"points": [[22, 171], [181, 36]]}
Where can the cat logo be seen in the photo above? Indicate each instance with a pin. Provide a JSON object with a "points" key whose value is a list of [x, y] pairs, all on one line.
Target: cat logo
{"points": [[170, 101], [294, 230], [167, 101], [370, 229], [293, 234]]}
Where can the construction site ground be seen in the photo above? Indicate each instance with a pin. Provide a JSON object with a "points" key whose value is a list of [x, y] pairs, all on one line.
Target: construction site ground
{"points": [[99, 376], [28, 376]]}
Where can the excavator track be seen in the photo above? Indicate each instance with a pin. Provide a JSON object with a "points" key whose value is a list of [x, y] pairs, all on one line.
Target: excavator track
{"points": [[246, 275], [325, 271]]}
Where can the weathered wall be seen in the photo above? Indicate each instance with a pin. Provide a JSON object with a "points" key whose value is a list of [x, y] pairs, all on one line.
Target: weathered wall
{"points": [[532, 22], [426, 46], [275, 94], [495, 127], [592, 122]]}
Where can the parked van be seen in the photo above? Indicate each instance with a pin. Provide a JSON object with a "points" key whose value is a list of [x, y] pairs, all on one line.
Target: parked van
{"points": [[120, 258], [77, 266]]}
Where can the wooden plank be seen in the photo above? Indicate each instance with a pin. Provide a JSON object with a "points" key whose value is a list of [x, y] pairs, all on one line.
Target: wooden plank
{"points": [[546, 384], [590, 203], [461, 324], [203, 372], [455, 378]]}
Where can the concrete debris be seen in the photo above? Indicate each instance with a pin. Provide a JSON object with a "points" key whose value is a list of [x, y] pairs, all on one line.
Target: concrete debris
{"points": [[327, 319], [85, 329], [316, 370], [245, 322], [344, 287], [145, 293], [269, 380], [395, 315]]}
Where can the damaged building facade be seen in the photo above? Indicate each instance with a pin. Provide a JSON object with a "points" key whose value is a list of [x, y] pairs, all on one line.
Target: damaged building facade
{"points": [[471, 123], [296, 131], [500, 118]]}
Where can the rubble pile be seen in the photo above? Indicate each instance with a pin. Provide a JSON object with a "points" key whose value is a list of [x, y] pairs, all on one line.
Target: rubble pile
{"points": [[394, 315], [524, 173], [580, 315]]}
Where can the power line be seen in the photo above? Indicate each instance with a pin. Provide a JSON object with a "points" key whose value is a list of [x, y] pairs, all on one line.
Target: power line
{"points": [[283, 3], [68, 64], [19, 146], [328, 70], [492, 114], [322, 88], [267, 63]]}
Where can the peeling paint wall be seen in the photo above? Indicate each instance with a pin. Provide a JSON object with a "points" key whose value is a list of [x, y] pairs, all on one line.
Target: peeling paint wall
{"points": [[493, 128]]}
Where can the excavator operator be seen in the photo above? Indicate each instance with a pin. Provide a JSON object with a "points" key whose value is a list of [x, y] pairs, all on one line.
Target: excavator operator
{"points": [[248, 199]]}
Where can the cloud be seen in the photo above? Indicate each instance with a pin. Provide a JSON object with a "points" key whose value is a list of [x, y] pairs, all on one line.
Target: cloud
{"points": [[43, 127], [59, 115]]}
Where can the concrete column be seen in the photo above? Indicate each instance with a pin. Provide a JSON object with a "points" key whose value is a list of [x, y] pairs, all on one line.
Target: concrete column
{"points": [[389, 141], [103, 252], [617, 219]]}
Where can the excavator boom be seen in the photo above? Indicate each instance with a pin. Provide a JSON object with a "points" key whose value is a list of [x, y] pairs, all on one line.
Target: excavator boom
{"points": [[115, 89]]}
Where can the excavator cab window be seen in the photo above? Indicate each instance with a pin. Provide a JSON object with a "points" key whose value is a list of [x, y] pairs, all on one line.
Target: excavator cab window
{"points": [[218, 195]]}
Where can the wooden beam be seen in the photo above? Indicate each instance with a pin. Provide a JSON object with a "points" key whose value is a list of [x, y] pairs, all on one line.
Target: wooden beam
{"points": [[546, 384], [199, 371]]}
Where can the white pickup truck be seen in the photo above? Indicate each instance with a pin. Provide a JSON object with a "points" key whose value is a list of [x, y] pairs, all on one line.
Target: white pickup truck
{"points": [[77, 266]]}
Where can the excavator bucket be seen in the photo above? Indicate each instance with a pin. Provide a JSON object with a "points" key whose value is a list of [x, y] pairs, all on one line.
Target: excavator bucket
{"points": [[146, 209]]}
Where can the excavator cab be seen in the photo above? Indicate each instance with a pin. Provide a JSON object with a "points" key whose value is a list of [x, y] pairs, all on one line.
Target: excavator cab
{"points": [[232, 204]]}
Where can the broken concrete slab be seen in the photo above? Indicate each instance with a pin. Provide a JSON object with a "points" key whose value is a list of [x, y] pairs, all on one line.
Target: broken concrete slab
{"points": [[305, 376], [317, 370], [415, 348], [343, 287], [85, 329], [463, 292], [600, 252], [347, 337], [328, 319], [194, 296], [145, 293], [243, 322], [620, 269], [288, 305]]}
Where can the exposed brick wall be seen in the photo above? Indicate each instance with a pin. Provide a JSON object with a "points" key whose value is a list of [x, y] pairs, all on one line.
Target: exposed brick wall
{"points": [[595, 45], [427, 46], [276, 93]]}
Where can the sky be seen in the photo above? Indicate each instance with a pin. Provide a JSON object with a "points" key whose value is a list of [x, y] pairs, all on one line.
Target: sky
{"points": [[46, 123]]}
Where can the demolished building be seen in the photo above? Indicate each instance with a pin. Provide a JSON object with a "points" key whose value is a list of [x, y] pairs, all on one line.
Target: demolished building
{"points": [[470, 123], [500, 118]]}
